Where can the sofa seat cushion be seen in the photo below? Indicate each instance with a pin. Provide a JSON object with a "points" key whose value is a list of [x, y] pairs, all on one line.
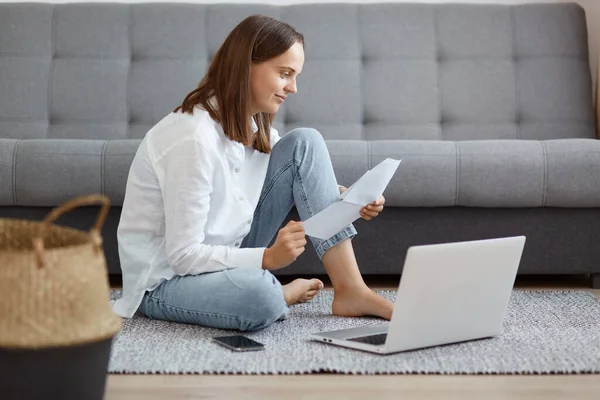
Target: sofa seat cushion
{"points": [[49, 172], [479, 173]]}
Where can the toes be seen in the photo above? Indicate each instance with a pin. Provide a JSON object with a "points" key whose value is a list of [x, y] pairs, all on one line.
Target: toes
{"points": [[316, 284], [308, 296]]}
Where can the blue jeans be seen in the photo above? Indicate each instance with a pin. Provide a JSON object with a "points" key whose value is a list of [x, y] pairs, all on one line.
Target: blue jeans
{"points": [[299, 173]]}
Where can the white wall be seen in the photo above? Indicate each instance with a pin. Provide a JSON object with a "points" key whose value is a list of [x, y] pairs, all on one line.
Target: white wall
{"points": [[592, 8]]}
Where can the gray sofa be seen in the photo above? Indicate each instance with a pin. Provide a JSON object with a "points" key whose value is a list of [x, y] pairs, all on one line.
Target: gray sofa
{"points": [[489, 106]]}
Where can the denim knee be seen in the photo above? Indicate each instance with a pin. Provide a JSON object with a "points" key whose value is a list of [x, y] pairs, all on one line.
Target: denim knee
{"points": [[262, 302], [305, 134]]}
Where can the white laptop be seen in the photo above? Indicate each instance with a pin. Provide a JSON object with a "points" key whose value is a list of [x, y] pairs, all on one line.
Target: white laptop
{"points": [[448, 293]]}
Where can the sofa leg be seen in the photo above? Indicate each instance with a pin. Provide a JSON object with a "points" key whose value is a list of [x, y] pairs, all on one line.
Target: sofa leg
{"points": [[595, 281]]}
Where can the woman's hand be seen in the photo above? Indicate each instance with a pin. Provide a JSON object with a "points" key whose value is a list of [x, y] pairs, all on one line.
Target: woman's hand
{"points": [[370, 211], [288, 245]]}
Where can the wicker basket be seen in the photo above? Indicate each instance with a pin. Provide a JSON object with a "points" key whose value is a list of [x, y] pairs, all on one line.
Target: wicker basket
{"points": [[55, 305]]}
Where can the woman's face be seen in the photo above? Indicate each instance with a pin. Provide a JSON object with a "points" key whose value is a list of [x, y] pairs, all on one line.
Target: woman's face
{"points": [[272, 80]]}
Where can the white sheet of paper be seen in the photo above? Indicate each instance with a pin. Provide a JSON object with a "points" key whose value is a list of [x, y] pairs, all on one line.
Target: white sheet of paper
{"points": [[364, 191], [331, 220]]}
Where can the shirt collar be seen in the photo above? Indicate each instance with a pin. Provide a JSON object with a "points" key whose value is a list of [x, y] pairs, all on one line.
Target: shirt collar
{"points": [[253, 124]]}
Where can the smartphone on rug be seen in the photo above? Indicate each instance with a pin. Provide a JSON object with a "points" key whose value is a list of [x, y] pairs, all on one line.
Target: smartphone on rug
{"points": [[239, 343]]}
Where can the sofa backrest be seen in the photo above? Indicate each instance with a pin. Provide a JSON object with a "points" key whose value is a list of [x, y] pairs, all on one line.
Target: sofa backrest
{"points": [[372, 71]]}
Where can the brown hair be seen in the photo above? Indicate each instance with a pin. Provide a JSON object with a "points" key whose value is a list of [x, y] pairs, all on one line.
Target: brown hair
{"points": [[256, 39]]}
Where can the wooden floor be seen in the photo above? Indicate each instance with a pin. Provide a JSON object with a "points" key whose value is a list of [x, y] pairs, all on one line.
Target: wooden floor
{"points": [[331, 386]]}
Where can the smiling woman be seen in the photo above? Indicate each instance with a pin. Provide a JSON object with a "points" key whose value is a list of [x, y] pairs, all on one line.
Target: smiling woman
{"points": [[272, 80], [251, 74], [212, 183]]}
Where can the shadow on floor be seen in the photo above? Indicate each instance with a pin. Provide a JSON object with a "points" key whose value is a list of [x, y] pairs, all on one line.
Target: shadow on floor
{"points": [[391, 281]]}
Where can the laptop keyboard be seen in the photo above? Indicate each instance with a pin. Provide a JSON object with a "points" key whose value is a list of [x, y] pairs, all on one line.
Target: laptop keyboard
{"points": [[376, 340]]}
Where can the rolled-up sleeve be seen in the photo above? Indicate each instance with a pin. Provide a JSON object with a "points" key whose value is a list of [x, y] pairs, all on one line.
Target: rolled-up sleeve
{"points": [[186, 179]]}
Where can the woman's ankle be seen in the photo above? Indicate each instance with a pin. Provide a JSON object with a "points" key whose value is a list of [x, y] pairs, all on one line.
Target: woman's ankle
{"points": [[351, 287]]}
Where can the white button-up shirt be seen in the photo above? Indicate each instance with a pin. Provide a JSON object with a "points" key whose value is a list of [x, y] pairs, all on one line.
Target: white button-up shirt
{"points": [[189, 202]]}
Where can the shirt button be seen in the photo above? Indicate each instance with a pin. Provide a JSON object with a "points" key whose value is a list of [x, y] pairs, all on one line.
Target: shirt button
{"points": [[237, 244], [249, 221], [237, 170], [241, 198]]}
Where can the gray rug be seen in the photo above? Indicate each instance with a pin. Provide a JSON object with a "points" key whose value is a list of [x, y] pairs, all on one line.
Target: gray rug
{"points": [[544, 333]]}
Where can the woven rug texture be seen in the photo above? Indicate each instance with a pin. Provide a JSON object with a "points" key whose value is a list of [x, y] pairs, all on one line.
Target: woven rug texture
{"points": [[544, 332]]}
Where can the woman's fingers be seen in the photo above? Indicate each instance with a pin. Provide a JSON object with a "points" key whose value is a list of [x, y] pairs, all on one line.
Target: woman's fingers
{"points": [[300, 242], [368, 214], [378, 204], [372, 210], [294, 226]]}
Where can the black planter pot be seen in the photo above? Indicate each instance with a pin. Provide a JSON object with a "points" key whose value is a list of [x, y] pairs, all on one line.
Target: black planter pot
{"points": [[62, 373]]}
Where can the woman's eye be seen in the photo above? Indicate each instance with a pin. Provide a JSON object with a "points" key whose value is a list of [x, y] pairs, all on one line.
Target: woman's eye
{"points": [[285, 74]]}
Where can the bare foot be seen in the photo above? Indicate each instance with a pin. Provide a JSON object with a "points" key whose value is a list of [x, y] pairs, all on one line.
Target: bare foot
{"points": [[361, 302], [301, 290]]}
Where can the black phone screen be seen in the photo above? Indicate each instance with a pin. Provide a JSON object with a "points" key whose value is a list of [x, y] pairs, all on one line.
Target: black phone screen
{"points": [[239, 342]]}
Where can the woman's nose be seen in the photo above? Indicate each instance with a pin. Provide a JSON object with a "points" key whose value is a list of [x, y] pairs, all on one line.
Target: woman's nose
{"points": [[291, 88]]}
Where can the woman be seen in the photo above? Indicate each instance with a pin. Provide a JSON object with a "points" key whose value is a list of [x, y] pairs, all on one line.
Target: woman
{"points": [[211, 184]]}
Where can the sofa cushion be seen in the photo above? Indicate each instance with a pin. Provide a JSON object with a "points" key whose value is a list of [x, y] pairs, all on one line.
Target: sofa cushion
{"points": [[49, 172], [372, 71], [7, 154], [501, 173]]}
